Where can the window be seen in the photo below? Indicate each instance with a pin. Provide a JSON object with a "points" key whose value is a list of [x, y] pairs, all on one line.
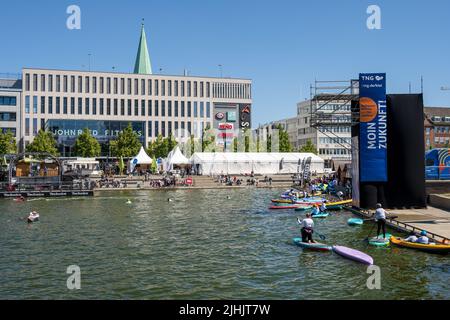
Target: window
{"points": [[72, 105], [58, 105], [42, 105], [156, 108], [8, 116], [136, 87], [163, 87], [80, 84], [86, 106], [42, 82], [142, 107], [149, 87], [182, 109], [72, 83], [176, 108], [122, 86], [189, 89], [136, 107], [176, 88], [163, 108], [35, 126], [143, 87], [156, 128], [202, 89], [116, 107], [208, 109], [129, 86], [169, 128], [189, 110], [27, 126], [169, 108], [65, 83], [102, 85], [50, 105], [94, 84], [182, 88], [116, 86], [58, 83], [208, 88], [163, 128], [50, 83], [35, 102], [86, 84], [35, 82], [195, 88], [129, 107], [102, 107], [27, 82], [169, 88], [108, 107], [65, 105], [202, 109], [156, 88], [195, 109], [108, 85], [122, 107], [43, 124], [8, 101], [94, 106]]}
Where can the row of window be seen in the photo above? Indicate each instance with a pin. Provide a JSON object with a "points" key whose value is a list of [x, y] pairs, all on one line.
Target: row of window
{"points": [[5, 130], [116, 107], [129, 86], [442, 129], [440, 119], [8, 116], [335, 152], [114, 85], [8, 101], [329, 140]]}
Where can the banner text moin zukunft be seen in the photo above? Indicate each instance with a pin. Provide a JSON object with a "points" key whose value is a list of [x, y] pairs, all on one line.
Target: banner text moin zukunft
{"points": [[377, 130]]}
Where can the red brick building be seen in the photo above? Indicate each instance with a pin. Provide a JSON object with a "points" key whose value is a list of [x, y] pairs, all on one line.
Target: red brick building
{"points": [[437, 128]]}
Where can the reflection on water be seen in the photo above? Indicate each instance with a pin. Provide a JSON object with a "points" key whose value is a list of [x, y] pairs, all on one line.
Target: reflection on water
{"points": [[200, 246]]}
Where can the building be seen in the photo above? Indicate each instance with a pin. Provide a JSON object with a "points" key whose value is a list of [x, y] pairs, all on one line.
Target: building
{"points": [[65, 102], [10, 98], [437, 127], [290, 125], [333, 142]]}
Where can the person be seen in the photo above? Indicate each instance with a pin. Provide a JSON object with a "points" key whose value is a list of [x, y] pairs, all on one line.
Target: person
{"points": [[380, 218], [307, 230], [323, 207], [34, 216], [423, 239], [411, 238], [316, 210], [128, 201], [340, 195]]}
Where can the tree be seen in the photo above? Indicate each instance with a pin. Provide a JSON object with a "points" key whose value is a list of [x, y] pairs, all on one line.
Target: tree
{"points": [[44, 142], [309, 147], [161, 147], [208, 139], [285, 145], [127, 143], [7, 143], [86, 145]]}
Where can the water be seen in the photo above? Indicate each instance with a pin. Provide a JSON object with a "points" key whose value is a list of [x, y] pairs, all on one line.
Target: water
{"points": [[200, 246]]}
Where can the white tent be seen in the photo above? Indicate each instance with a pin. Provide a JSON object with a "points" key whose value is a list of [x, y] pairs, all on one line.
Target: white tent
{"points": [[175, 157], [141, 158], [259, 163]]}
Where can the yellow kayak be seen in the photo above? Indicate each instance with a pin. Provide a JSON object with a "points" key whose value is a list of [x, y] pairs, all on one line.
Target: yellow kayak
{"points": [[339, 203], [434, 248]]}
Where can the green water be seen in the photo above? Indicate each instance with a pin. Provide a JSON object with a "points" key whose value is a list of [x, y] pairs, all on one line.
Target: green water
{"points": [[200, 246]]}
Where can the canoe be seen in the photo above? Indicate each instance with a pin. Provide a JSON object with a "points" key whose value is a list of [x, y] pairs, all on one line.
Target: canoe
{"points": [[338, 203], [312, 246], [282, 207], [320, 215], [355, 222], [380, 241], [353, 254], [431, 248]]}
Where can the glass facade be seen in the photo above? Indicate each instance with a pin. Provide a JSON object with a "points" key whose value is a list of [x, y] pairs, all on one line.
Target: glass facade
{"points": [[66, 132]]}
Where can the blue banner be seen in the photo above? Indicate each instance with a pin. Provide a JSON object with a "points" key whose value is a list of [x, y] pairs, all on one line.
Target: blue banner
{"points": [[373, 132]]}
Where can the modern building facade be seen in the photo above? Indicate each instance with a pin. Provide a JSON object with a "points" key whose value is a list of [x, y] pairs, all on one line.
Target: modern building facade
{"points": [[10, 99], [437, 127], [290, 125], [65, 102]]}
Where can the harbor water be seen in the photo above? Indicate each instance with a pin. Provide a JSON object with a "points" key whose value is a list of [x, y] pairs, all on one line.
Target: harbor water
{"points": [[205, 244]]}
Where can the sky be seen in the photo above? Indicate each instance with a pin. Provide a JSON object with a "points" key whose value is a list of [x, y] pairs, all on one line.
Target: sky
{"points": [[283, 45]]}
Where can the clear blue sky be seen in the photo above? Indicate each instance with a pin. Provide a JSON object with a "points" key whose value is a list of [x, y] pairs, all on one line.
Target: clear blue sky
{"points": [[282, 45]]}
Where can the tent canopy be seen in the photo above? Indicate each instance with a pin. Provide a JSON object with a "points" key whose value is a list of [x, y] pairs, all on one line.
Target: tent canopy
{"points": [[176, 158], [259, 163], [142, 158]]}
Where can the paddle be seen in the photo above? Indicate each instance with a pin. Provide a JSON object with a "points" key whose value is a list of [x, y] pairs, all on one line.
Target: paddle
{"points": [[321, 236]]}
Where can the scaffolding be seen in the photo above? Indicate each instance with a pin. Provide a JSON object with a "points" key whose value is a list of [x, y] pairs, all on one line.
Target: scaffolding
{"points": [[340, 94]]}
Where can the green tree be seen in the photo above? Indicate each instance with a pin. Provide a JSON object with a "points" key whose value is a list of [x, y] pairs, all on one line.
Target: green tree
{"points": [[86, 145], [309, 147], [7, 143], [127, 143], [161, 147], [285, 145], [208, 139], [44, 142]]}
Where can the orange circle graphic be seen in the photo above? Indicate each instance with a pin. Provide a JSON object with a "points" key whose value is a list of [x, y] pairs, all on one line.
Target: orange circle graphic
{"points": [[368, 109]]}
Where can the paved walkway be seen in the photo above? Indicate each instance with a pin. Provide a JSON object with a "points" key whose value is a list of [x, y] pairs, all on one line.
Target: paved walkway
{"points": [[433, 220]]}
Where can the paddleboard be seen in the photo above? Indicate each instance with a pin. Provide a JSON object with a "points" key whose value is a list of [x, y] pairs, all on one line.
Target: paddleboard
{"points": [[380, 241], [355, 222], [353, 254], [316, 246]]}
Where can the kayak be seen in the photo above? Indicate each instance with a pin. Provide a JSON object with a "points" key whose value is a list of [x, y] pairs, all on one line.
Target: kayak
{"points": [[353, 254], [320, 215], [303, 208], [380, 241], [431, 248], [355, 222], [343, 202], [316, 246]]}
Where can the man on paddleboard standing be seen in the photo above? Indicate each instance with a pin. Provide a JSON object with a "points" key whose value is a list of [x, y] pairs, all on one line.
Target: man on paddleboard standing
{"points": [[380, 218], [307, 230]]}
